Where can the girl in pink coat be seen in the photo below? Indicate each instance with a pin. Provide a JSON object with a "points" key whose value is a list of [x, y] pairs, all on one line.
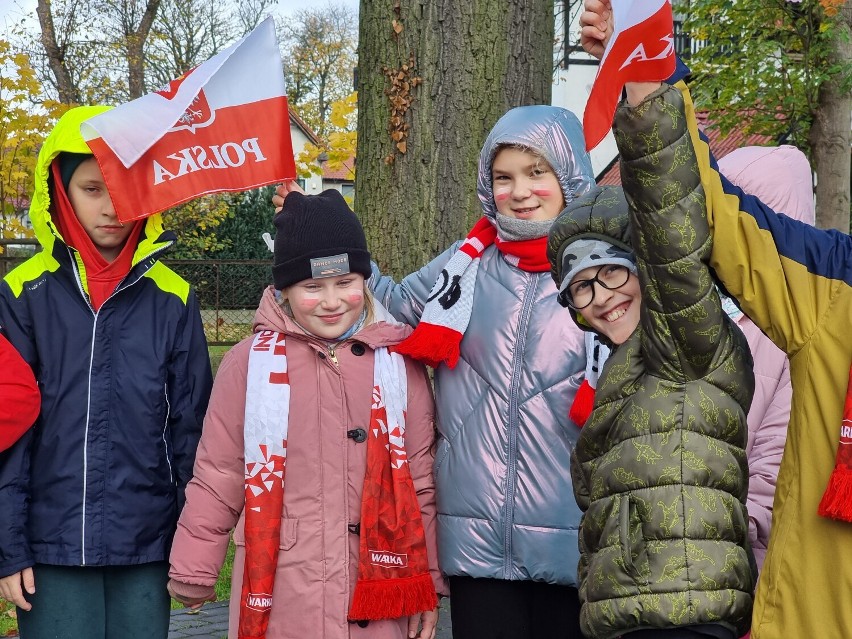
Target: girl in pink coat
{"points": [[317, 453]]}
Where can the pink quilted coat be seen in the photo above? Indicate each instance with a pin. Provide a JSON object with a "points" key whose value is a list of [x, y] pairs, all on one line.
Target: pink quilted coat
{"points": [[318, 560]]}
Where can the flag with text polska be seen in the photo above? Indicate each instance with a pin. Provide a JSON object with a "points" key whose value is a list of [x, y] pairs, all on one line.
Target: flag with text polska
{"points": [[222, 126], [641, 49]]}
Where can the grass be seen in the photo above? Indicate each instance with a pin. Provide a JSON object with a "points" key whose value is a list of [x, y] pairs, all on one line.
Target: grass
{"points": [[216, 354], [223, 585], [8, 620]]}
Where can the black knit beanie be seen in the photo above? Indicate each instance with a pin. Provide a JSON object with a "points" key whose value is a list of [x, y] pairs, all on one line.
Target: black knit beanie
{"points": [[317, 236], [68, 163]]}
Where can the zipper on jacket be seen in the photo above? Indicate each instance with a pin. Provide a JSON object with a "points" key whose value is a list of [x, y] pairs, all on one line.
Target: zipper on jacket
{"points": [[95, 315], [514, 423], [332, 355]]}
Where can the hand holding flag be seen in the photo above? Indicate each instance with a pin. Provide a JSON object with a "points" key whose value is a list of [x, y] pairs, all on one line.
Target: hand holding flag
{"points": [[634, 40]]}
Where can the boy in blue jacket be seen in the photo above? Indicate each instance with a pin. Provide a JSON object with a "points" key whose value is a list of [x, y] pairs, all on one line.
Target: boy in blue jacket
{"points": [[90, 496]]}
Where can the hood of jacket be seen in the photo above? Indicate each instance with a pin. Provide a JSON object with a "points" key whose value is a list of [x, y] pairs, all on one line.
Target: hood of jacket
{"points": [[552, 132], [780, 176], [384, 330], [66, 137], [600, 214]]}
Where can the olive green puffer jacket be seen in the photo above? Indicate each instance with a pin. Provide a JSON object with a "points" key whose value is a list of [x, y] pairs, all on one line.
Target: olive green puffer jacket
{"points": [[660, 468]]}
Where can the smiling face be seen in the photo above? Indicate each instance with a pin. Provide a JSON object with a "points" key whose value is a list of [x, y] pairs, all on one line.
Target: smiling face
{"points": [[329, 306], [525, 186], [92, 205], [613, 313]]}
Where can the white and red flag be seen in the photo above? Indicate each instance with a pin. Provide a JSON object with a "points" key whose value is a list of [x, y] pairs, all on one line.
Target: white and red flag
{"points": [[222, 126], [641, 49]]}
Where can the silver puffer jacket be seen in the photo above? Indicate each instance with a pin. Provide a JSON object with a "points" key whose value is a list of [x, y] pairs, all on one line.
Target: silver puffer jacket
{"points": [[505, 502]]}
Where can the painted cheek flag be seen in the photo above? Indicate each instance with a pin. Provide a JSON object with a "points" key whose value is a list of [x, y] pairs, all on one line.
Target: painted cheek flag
{"points": [[222, 126], [641, 49]]}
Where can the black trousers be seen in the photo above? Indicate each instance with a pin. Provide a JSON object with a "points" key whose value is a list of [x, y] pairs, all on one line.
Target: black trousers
{"points": [[501, 609]]}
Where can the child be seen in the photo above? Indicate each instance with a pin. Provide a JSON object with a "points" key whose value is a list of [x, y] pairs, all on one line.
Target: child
{"points": [[343, 545], [507, 374], [90, 496], [781, 177], [795, 282], [19, 396], [660, 469]]}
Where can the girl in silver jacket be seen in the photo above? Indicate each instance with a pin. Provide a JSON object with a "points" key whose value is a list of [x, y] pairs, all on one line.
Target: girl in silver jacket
{"points": [[506, 372]]}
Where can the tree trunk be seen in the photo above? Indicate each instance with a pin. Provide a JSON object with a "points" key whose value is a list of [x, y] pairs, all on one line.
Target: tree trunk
{"points": [[69, 93], [416, 183], [135, 45], [830, 135]]}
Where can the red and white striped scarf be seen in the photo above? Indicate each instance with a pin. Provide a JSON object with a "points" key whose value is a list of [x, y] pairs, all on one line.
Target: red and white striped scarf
{"points": [[393, 573], [437, 337]]}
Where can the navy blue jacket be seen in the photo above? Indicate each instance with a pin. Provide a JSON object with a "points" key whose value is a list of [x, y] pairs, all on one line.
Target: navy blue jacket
{"points": [[100, 478]]}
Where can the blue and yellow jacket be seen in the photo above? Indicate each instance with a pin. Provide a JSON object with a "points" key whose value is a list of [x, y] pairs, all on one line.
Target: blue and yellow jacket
{"points": [[100, 479], [795, 282]]}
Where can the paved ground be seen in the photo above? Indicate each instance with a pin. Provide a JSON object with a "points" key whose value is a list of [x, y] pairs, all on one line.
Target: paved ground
{"points": [[212, 623]]}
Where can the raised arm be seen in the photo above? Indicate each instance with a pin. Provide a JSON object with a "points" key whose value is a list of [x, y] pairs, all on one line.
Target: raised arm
{"points": [[405, 300], [687, 334]]}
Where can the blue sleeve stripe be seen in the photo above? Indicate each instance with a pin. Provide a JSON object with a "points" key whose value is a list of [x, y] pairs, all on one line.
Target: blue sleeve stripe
{"points": [[826, 253]]}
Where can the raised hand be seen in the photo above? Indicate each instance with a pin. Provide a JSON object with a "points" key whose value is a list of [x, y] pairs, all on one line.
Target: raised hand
{"points": [[596, 26], [281, 193]]}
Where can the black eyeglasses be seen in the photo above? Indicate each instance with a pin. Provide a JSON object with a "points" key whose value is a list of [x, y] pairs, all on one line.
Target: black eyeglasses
{"points": [[581, 293]]}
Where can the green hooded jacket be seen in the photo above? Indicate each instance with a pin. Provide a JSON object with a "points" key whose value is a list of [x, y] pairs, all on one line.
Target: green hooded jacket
{"points": [[660, 469]]}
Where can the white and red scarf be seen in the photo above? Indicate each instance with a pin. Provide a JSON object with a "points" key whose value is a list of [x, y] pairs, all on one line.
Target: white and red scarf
{"points": [[584, 400], [438, 336], [836, 503], [393, 572]]}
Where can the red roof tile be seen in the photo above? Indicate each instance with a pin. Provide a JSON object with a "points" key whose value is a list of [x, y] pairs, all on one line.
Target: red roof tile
{"points": [[344, 173], [720, 146]]}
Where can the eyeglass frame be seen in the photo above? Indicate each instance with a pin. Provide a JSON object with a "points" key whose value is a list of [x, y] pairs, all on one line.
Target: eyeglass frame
{"points": [[569, 298]]}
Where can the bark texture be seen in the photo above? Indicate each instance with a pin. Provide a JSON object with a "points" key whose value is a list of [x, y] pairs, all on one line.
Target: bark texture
{"points": [[474, 61]]}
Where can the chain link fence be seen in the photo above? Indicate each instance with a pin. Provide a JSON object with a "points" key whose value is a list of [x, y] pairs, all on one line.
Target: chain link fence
{"points": [[228, 290]]}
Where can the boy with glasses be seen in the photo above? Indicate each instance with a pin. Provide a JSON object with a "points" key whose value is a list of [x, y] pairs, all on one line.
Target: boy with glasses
{"points": [[660, 467]]}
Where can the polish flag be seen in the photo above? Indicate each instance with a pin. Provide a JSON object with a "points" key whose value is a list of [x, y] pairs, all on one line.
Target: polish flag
{"points": [[222, 126], [641, 49]]}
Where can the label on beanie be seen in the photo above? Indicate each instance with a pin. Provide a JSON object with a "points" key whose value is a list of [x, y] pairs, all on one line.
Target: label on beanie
{"points": [[330, 266]]}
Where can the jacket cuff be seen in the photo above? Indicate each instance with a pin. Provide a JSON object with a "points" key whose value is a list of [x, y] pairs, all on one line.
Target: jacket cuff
{"points": [[658, 119], [190, 593]]}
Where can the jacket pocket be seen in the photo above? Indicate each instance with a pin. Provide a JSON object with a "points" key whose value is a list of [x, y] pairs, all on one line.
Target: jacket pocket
{"points": [[633, 551], [287, 536]]}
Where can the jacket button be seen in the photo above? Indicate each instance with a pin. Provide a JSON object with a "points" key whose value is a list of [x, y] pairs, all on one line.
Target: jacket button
{"points": [[358, 349], [358, 434]]}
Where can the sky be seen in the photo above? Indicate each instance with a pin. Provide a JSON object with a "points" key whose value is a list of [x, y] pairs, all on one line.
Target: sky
{"points": [[15, 9]]}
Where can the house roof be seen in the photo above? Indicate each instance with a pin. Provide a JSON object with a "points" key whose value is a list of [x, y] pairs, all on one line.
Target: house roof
{"points": [[299, 122], [344, 173], [720, 146]]}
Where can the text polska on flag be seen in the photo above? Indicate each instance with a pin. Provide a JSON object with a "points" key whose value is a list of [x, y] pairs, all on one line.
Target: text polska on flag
{"points": [[222, 126]]}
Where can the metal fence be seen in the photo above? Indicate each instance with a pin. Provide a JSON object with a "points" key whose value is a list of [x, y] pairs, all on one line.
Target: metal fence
{"points": [[228, 290]]}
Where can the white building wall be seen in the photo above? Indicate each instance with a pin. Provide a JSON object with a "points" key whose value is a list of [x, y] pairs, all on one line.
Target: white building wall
{"points": [[572, 85], [312, 184]]}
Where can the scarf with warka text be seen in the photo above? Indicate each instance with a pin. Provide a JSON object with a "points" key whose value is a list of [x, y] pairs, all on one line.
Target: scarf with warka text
{"points": [[393, 570], [445, 317], [100, 277], [837, 501]]}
